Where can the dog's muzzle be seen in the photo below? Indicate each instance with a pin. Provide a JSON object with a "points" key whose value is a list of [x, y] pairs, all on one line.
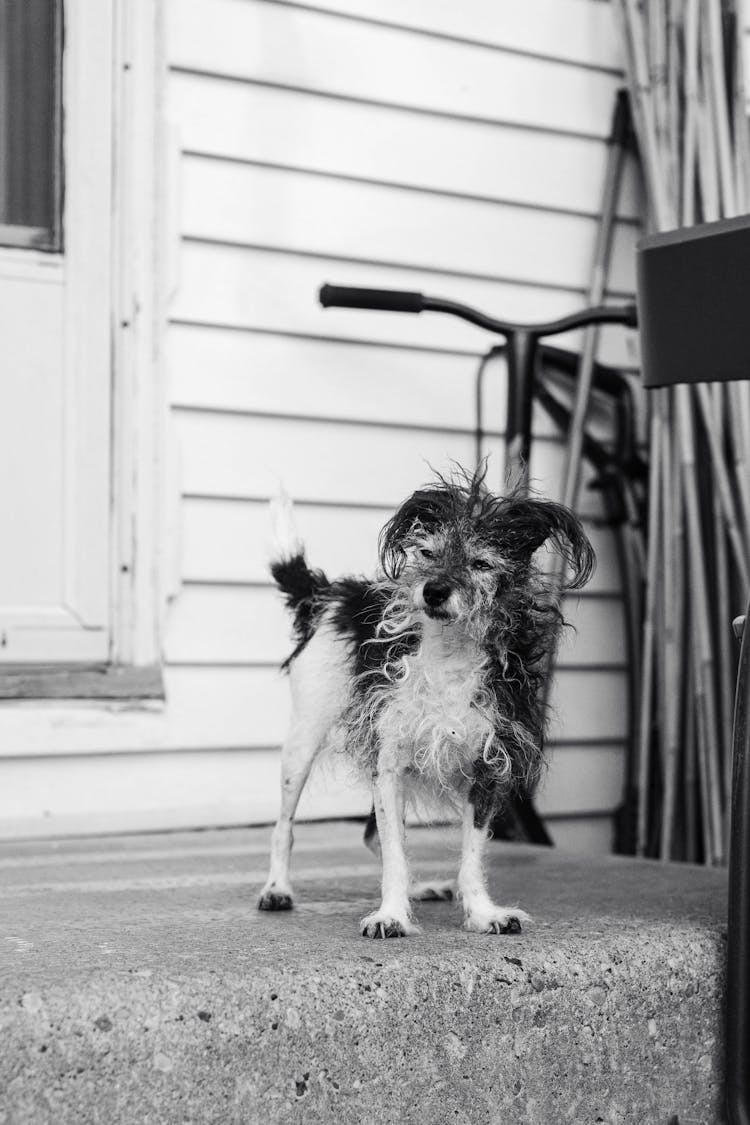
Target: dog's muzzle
{"points": [[435, 595]]}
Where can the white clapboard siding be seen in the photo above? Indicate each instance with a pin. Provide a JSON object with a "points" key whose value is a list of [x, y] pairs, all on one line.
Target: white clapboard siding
{"points": [[587, 835], [277, 374], [243, 706], [278, 292], [230, 541], [576, 31], [53, 796], [246, 456], [318, 51], [382, 144], [303, 213], [579, 780], [116, 793], [231, 624], [273, 374]]}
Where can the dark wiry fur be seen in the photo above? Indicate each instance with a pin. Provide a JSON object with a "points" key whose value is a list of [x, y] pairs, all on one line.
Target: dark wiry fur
{"points": [[514, 622]]}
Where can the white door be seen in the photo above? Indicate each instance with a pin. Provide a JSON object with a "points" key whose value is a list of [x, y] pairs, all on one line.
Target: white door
{"points": [[55, 330]]}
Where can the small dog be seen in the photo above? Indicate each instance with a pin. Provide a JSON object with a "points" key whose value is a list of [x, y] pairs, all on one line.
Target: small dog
{"points": [[429, 676]]}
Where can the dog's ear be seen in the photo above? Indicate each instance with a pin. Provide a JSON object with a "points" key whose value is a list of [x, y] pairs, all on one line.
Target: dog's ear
{"points": [[527, 524], [425, 510]]}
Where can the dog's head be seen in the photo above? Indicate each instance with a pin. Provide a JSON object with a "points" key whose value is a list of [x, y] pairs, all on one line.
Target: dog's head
{"points": [[458, 548]]}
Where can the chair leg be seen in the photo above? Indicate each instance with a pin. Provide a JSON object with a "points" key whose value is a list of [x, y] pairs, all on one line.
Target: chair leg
{"points": [[738, 930]]}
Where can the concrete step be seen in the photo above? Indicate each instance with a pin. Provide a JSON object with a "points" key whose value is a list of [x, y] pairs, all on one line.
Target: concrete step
{"points": [[140, 984]]}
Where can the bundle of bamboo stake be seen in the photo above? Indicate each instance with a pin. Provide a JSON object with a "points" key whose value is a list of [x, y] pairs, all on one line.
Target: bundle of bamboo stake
{"points": [[684, 69]]}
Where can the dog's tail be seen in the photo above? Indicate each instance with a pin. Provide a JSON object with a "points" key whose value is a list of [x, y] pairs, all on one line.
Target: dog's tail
{"points": [[299, 583]]}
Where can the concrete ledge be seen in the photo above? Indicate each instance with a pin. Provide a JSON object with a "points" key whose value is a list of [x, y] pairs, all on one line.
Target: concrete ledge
{"points": [[140, 984]]}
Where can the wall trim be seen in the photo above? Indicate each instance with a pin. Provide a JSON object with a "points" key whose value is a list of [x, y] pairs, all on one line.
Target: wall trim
{"points": [[139, 320]]}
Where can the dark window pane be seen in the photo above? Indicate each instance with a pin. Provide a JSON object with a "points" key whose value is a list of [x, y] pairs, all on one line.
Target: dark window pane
{"points": [[30, 50]]}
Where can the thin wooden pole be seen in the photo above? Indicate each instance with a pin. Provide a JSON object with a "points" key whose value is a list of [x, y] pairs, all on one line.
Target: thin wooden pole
{"points": [[723, 632], [702, 648], [712, 426], [671, 656], [596, 295], [714, 64], [690, 131], [690, 776], [649, 629], [640, 87]]}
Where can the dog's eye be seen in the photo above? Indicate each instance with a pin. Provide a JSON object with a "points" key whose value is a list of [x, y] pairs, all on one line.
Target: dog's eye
{"points": [[426, 553], [481, 564]]}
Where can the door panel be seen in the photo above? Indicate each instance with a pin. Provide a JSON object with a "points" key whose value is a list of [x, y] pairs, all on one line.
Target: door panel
{"points": [[56, 373]]}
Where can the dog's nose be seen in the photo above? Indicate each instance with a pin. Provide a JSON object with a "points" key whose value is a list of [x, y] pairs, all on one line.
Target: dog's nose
{"points": [[435, 593]]}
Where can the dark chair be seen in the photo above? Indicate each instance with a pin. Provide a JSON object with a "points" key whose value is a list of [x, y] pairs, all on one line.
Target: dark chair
{"points": [[693, 311]]}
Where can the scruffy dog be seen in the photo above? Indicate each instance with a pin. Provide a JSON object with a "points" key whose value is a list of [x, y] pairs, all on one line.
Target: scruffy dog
{"points": [[429, 675]]}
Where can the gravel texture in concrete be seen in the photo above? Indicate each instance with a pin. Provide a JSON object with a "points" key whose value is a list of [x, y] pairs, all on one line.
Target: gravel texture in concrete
{"points": [[139, 984]]}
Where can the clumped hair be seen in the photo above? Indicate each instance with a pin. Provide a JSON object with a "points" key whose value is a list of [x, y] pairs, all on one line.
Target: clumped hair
{"points": [[517, 524]]}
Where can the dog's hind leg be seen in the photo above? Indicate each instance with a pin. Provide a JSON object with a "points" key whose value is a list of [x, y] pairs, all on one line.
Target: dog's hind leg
{"points": [[297, 756], [433, 890], [371, 839], [319, 687], [481, 914]]}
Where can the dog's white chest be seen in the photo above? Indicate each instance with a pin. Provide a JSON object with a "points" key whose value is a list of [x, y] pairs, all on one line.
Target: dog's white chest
{"points": [[434, 718]]}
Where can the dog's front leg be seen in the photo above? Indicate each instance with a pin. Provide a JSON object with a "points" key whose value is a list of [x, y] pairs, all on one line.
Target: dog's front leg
{"points": [[481, 914], [393, 918]]}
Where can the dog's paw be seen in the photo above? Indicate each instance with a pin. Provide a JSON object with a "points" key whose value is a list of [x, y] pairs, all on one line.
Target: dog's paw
{"points": [[496, 920], [274, 898], [435, 890], [383, 924]]}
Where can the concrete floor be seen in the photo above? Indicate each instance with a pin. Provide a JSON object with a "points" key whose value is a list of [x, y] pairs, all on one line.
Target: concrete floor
{"points": [[138, 983]]}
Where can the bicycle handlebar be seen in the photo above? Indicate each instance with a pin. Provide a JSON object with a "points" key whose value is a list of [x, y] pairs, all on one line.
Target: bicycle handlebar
{"points": [[397, 300], [387, 300]]}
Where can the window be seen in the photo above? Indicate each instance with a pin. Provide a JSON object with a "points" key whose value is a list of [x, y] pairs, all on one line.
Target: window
{"points": [[30, 117]]}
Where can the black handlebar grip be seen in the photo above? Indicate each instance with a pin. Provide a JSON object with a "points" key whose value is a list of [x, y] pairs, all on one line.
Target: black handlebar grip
{"points": [[386, 300]]}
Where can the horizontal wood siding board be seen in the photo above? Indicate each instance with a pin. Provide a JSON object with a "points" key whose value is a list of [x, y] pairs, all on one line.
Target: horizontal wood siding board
{"points": [[240, 288], [112, 793], [310, 50], [582, 780], [455, 274], [230, 623], [214, 368], [583, 835], [240, 787], [226, 542], [576, 32], [259, 371], [303, 213], [380, 144], [384, 510], [227, 454]]}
